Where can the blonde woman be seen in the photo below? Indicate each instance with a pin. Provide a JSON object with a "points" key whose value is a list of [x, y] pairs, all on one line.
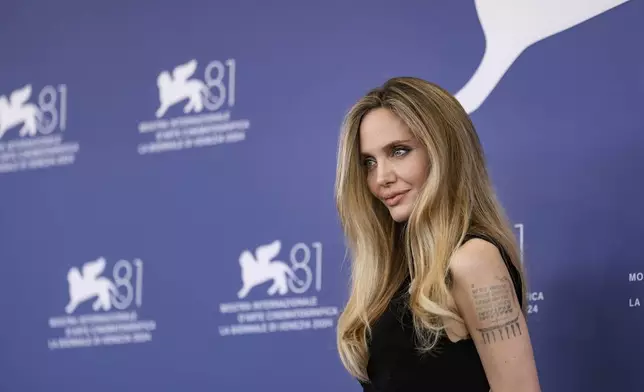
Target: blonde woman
{"points": [[437, 288]]}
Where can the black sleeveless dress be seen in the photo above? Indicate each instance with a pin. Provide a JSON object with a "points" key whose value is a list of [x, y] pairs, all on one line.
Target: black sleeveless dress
{"points": [[395, 365]]}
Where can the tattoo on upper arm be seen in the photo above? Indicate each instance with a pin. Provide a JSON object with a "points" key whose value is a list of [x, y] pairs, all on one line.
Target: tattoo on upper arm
{"points": [[497, 311]]}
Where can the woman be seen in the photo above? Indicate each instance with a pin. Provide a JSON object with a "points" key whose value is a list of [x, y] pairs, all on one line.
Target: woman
{"points": [[437, 295]]}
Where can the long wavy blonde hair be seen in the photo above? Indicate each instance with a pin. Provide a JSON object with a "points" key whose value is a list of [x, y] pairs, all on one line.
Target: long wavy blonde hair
{"points": [[457, 199]]}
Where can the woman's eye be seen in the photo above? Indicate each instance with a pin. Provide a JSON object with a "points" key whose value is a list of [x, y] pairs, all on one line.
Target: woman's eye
{"points": [[400, 151], [369, 162]]}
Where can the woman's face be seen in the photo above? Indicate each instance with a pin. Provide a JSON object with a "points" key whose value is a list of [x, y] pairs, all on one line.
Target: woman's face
{"points": [[397, 165]]}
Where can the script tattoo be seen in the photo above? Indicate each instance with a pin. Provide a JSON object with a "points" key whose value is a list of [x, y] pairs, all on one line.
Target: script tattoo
{"points": [[497, 311]]}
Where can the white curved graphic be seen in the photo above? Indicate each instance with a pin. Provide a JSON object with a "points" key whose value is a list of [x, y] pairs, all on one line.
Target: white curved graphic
{"points": [[511, 26], [16, 110], [262, 268]]}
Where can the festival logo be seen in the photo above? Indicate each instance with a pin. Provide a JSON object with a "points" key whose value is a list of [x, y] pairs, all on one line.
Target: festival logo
{"points": [[101, 310], [275, 295], [510, 27], [193, 110], [31, 129]]}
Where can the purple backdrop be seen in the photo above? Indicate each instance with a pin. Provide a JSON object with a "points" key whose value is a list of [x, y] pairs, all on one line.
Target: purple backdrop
{"points": [[148, 150]]}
